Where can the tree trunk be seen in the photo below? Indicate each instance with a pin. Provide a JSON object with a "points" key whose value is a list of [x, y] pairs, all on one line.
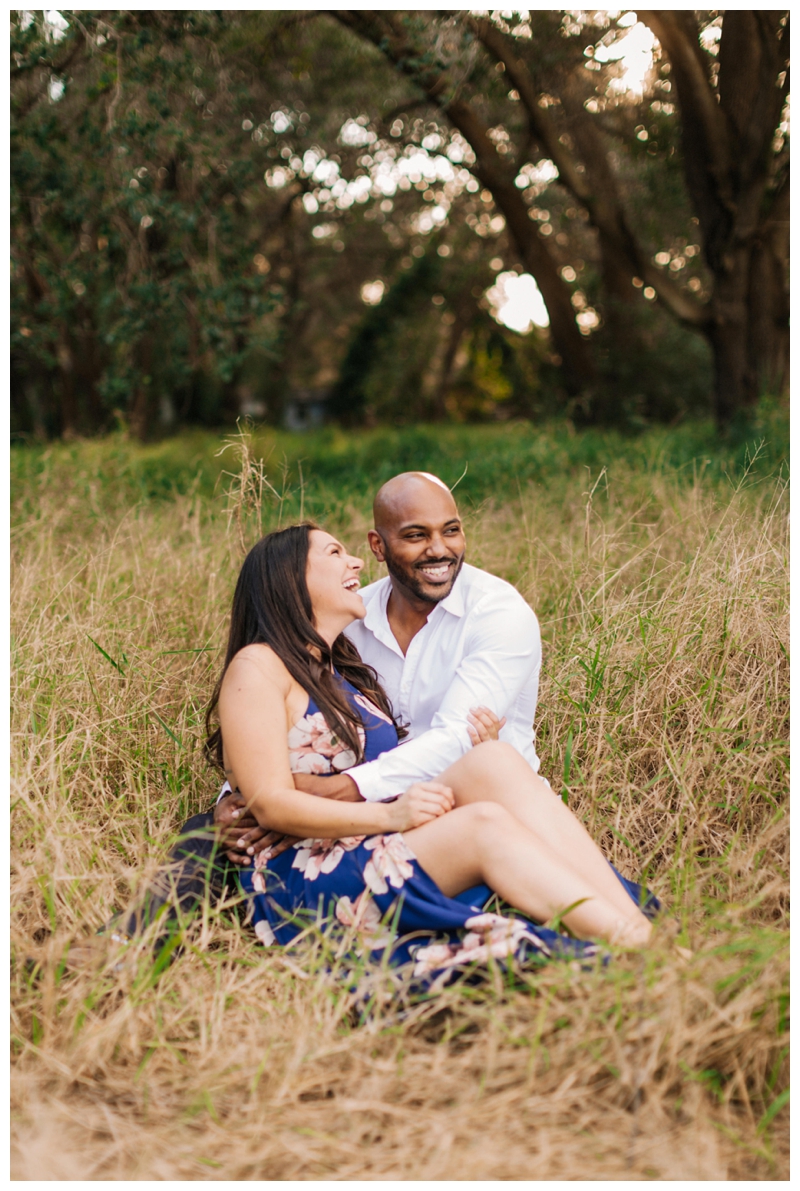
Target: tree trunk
{"points": [[36, 412], [89, 369], [768, 301], [734, 382], [69, 405], [727, 145], [141, 414], [749, 330], [455, 335], [573, 350]]}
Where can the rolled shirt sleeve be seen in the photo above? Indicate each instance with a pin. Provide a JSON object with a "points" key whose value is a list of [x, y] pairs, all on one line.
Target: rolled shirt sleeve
{"points": [[502, 656]]}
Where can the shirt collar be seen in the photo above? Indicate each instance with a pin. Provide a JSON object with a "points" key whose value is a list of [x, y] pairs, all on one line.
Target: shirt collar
{"points": [[377, 621], [454, 603]]}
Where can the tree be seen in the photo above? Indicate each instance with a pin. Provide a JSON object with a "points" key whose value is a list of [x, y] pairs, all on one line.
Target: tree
{"points": [[390, 31], [135, 230], [213, 211], [736, 171]]}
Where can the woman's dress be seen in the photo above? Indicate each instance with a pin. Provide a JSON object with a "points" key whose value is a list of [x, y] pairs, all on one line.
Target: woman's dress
{"points": [[376, 886]]}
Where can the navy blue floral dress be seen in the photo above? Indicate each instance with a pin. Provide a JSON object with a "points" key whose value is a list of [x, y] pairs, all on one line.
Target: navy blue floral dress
{"points": [[376, 886]]}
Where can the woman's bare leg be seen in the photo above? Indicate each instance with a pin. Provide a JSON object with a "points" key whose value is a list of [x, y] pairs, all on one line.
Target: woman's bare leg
{"points": [[495, 772], [484, 842]]}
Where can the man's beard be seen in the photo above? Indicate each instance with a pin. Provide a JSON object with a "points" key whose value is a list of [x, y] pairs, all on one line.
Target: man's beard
{"points": [[408, 576]]}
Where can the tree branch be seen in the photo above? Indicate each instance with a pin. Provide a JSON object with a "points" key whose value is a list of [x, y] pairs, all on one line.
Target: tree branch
{"points": [[705, 130], [596, 189], [541, 125], [383, 30]]}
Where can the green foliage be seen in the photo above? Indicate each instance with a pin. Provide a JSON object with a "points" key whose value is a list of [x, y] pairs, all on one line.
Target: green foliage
{"points": [[330, 468], [349, 395], [133, 264]]}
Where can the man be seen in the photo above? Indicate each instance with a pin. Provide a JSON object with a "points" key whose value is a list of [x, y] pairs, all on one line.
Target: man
{"points": [[447, 640], [444, 638]]}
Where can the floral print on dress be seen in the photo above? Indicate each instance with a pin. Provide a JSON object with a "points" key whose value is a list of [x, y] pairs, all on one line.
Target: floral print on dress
{"points": [[488, 935], [365, 917], [315, 748], [316, 856], [371, 709], [391, 858], [264, 932]]}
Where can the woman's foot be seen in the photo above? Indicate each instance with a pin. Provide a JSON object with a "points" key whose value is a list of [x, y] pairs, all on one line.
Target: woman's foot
{"points": [[632, 935]]}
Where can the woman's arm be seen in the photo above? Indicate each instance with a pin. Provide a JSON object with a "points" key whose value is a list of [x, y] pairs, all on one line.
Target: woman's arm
{"points": [[252, 710]]}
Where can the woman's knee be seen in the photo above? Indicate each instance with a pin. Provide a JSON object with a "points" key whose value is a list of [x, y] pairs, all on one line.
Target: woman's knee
{"points": [[491, 755], [487, 817]]}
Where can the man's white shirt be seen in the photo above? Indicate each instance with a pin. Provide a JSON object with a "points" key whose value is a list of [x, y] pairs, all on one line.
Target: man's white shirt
{"points": [[480, 646]]}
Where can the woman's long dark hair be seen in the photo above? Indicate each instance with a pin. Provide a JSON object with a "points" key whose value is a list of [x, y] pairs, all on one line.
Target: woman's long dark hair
{"points": [[271, 605]]}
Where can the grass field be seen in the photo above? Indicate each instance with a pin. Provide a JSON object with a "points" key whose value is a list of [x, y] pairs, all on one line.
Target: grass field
{"points": [[658, 567]]}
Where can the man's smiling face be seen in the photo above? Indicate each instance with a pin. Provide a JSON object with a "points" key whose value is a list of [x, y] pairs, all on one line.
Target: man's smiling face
{"points": [[419, 535]]}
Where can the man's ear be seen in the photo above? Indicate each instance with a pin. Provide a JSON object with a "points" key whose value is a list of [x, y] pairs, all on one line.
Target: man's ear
{"points": [[376, 544]]}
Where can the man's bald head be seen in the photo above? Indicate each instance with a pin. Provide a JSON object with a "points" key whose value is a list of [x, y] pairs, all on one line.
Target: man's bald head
{"points": [[419, 535], [403, 497]]}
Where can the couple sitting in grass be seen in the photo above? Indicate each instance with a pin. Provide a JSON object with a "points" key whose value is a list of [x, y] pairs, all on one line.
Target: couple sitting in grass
{"points": [[380, 763]]}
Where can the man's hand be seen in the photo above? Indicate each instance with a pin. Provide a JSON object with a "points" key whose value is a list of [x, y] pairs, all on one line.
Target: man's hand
{"points": [[240, 833], [238, 829], [483, 724]]}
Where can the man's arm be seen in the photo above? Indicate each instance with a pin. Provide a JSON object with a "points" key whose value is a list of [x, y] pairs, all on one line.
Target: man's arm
{"points": [[504, 655]]}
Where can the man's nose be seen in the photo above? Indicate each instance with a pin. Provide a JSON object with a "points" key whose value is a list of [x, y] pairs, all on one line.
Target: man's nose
{"points": [[437, 546]]}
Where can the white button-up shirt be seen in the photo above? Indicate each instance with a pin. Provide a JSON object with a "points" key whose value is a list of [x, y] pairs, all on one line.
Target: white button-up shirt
{"points": [[480, 646]]}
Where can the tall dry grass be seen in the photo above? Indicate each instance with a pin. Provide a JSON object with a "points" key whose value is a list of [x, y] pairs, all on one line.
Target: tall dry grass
{"points": [[663, 718]]}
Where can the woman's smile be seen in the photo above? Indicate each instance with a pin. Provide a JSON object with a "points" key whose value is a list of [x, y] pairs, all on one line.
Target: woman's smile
{"points": [[331, 571]]}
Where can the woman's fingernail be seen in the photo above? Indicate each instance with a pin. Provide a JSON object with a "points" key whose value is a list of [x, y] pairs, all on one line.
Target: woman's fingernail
{"points": [[240, 843]]}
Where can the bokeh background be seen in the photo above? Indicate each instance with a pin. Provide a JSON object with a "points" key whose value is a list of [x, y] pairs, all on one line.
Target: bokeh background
{"points": [[396, 217]]}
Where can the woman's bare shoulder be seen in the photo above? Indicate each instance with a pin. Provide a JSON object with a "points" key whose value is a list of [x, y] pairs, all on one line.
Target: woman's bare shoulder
{"points": [[258, 662]]}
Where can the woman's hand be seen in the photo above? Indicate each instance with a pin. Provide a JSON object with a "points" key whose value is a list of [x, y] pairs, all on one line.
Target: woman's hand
{"points": [[421, 803], [483, 725]]}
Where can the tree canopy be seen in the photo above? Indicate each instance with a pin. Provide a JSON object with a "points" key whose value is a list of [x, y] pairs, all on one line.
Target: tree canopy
{"points": [[223, 213]]}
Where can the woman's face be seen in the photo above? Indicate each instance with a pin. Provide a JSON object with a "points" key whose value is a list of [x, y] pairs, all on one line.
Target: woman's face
{"points": [[333, 583]]}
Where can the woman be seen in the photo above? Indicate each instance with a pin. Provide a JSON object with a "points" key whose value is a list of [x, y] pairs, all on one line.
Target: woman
{"points": [[295, 696]]}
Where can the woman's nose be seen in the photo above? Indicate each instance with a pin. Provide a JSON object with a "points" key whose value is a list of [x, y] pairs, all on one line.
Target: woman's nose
{"points": [[357, 563]]}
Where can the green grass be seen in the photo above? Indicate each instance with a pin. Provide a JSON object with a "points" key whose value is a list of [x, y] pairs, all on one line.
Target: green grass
{"points": [[327, 468]]}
